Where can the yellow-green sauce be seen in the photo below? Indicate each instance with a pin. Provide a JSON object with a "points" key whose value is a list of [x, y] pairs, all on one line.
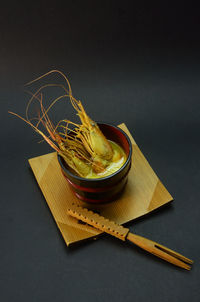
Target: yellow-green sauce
{"points": [[119, 158]]}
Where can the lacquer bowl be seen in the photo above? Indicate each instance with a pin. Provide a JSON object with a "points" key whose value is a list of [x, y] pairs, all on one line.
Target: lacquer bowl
{"points": [[106, 189]]}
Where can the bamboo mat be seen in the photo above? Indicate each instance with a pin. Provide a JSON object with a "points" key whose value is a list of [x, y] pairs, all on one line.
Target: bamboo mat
{"points": [[143, 194]]}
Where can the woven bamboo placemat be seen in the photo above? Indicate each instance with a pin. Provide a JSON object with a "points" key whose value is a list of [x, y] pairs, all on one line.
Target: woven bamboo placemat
{"points": [[143, 194]]}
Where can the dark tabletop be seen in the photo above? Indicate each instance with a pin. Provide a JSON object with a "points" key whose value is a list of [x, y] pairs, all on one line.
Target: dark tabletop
{"points": [[129, 62]]}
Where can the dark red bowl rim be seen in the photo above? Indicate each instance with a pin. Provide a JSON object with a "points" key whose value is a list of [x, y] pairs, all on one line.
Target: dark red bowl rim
{"points": [[60, 159]]}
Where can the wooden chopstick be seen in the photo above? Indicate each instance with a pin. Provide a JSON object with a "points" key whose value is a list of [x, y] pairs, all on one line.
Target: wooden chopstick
{"points": [[122, 233]]}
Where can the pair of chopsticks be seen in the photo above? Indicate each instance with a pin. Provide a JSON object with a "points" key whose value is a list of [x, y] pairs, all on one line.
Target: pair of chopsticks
{"points": [[124, 234]]}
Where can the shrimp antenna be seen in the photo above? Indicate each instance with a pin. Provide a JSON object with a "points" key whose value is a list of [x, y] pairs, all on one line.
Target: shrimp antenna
{"points": [[48, 73]]}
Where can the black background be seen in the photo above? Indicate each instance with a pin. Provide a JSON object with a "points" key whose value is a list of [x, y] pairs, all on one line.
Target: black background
{"points": [[133, 62]]}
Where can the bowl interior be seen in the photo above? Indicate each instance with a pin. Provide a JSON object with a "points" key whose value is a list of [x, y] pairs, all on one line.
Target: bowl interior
{"points": [[112, 133]]}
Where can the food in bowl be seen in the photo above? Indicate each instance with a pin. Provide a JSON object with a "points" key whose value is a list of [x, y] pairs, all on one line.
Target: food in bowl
{"points": [[84, 148], [110, 166]]}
